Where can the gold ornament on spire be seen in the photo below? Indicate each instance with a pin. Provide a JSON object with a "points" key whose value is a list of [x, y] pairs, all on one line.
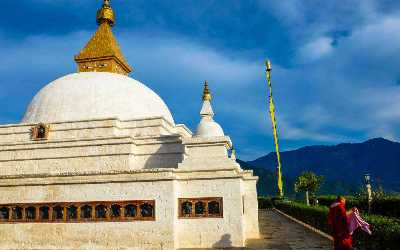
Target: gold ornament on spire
{"points": [[105, 14], [206, 92], [268, 65], [102, 52]]}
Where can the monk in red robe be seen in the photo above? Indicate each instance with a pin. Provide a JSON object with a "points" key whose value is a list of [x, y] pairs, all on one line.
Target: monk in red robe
{"points": [[337, 220]]}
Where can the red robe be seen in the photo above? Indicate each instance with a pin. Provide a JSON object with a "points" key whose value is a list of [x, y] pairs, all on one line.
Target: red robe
{"points": [[337, 220]]}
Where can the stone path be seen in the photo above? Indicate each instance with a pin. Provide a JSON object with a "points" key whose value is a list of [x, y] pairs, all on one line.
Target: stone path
{"points": [[280, 233]]}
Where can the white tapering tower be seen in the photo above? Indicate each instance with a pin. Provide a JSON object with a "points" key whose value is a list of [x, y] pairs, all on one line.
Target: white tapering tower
{"points": [[207, 126]]}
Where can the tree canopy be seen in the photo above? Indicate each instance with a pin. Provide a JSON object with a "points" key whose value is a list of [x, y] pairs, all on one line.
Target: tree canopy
{"points": [[308, 182]]}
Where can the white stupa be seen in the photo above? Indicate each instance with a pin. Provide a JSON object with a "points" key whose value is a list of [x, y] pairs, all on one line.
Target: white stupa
{"points": [[99, 163], [207, 126]]}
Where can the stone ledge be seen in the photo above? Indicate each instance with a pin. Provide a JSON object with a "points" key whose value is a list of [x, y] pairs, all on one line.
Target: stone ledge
{"points": [[109, 124], [107, 119], [148, 175], [142, 140]]}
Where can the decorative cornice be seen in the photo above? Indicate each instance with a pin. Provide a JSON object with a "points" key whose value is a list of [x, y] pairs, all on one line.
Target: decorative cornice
{"points": [[138, 175]]}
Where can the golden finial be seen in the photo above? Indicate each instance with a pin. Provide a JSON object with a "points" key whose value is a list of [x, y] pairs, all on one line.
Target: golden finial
{"points": [[268, 65], [106, 14], [102, 52], [206, 92]]}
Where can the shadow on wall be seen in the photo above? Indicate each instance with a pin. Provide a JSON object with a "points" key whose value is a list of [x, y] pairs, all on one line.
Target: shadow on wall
{"points": [[164, 158], [224, 242]]}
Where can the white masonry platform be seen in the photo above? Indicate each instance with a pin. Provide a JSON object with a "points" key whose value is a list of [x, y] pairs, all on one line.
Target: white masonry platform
{"points": [[113, 160]]}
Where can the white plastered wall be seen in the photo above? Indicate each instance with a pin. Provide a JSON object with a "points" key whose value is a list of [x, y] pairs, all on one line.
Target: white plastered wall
{"points": [[250, 209], [212, 232], [158, 234]]}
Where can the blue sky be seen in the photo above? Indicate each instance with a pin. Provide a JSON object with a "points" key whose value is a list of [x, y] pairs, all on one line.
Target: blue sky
{"points": [[336, 70]]}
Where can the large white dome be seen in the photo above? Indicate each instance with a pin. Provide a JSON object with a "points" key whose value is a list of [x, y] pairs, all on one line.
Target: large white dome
{"points": [[95, 95]]}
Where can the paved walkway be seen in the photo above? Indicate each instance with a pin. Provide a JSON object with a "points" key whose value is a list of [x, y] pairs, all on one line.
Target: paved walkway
{"points": [[280, 233]]}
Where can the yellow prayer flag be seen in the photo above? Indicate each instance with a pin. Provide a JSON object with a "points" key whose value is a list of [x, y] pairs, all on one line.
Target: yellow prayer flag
{"points": [[274, 128]]}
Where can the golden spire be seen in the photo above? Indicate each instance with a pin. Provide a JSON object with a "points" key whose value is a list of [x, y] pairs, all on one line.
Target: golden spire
{"points": [[102, 52], [206, 92], [106, 14]]}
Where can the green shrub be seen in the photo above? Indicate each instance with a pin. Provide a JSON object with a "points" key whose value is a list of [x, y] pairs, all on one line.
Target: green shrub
{"points": [[385, 231], [386, 206], [385, 234], [264, 202], [351, 201], [267, 202]]}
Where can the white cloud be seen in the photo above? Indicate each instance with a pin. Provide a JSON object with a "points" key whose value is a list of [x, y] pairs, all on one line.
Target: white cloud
{"points": [[352, 85], [307, 20], [179, 56], [288, 12], [315, 50]]}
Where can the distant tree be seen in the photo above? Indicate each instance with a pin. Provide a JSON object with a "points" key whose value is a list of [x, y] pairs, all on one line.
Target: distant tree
{"points": [[379, 193], [309, 183]]}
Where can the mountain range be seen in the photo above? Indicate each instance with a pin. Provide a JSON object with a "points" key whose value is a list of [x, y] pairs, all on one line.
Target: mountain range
{"points": [[343, 166]]}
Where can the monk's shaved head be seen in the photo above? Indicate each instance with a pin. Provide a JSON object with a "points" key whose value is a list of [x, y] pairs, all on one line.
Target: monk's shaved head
{"points": [[341, 199]]}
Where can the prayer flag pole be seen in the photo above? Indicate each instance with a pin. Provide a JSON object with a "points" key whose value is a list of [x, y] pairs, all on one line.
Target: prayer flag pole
{"points": [[274, 128]]}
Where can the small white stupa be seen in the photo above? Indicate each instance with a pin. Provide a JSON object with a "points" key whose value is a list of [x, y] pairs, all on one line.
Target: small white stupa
{"points": [[207, 126]]}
